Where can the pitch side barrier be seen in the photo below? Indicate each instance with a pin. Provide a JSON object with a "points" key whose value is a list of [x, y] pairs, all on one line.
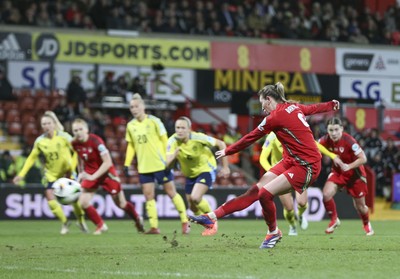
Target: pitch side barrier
{"points": [[30, 204]]}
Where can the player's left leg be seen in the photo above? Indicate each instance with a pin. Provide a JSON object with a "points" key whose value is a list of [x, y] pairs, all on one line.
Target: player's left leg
{"points": [[362, 209], [288, 212], [266, 195], [56, 209], [80, 217], [202, 205], [302, 204], [129, 208]]}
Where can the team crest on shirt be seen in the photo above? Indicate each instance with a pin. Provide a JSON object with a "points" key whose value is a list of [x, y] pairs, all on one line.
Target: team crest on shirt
{"points": [[90, 150], [341, 149]]}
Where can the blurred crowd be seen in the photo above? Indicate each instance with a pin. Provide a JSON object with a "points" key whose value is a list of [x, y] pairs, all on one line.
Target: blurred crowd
{"points": [[333, 21]]}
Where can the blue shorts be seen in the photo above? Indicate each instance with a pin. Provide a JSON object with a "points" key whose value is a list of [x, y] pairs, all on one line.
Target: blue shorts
{"points": [[161, 177], [206, 178]]}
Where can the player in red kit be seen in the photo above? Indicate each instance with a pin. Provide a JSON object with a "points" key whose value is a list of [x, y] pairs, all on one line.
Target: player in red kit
{"points": [[298, 169], [350, 176], [98, 170]]}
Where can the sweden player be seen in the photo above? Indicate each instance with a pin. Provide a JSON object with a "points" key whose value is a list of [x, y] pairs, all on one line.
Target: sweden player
{"points": [[147, 139], [197, 163], [271, 154], [61, 161]]}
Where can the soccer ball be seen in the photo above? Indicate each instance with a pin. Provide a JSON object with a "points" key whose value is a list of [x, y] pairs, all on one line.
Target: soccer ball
{"points": [[66, 190]]}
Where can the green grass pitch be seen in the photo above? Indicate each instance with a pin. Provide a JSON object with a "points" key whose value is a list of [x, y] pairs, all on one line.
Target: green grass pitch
{"points": [[35, 249]]}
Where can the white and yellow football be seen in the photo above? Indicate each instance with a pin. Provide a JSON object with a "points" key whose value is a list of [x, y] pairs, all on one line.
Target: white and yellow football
{"points": [[67, 190]]}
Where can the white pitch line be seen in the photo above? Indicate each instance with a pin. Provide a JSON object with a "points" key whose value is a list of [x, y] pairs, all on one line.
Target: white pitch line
{"points": [[125, 273]]}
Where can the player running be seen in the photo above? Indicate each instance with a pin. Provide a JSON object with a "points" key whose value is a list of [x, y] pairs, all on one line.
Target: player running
{"points": [[55, 145], [98, 170], [197, 163]]}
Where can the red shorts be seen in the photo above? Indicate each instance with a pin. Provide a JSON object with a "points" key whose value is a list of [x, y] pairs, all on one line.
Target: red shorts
{"points": [[355, 187], [110, 184], [300, 177]]}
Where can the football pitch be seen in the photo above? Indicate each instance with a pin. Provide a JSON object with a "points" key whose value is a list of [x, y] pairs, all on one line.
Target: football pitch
{"points": [[35, 249]]}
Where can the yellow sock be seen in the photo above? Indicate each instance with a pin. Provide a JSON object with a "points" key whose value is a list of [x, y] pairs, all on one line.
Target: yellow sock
{"points": [[289, 216], [57, 210], [79, 212], [301, 209], [151, 208], [180, 206], [203, 207]]}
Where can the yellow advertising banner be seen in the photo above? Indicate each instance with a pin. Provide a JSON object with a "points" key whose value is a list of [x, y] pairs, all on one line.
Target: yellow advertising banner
{"points": [[121, 50]]}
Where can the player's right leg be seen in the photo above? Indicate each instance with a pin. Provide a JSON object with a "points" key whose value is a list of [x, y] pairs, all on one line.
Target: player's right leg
{"points": [[151, 205], [329, 191]]}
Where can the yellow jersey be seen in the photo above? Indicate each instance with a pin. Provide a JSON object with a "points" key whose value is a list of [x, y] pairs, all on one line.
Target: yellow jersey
{"points": [[58, 156], [195, 156], [272, 151], [148, 139]]}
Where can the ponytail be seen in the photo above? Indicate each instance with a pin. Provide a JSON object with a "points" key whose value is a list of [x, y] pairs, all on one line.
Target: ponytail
{"points": [[276, 91]]}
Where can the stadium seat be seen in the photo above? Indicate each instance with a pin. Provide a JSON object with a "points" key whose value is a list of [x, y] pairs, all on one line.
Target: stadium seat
{"points": [[120, 132], [223, 180], [40, 93], [111, 141], [12, 115], [133, 178], [8, 105], [42, 104], [30, 128], [109, 132], [238, 179], [122, 146], [29, 117], [113, 147], [14, 128], [26, 103], [117, 158], [24, 92]]}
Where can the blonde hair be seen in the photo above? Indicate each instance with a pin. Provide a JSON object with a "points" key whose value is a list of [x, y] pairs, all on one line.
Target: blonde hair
{"points": [[276, 91], [81, 121], [53, 116]]}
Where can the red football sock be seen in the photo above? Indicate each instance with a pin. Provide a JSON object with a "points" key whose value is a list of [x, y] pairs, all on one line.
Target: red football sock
{"points": [[365, 218], [94, 216], [130, 210], [330, 207], [269, 210], [238, 203]]}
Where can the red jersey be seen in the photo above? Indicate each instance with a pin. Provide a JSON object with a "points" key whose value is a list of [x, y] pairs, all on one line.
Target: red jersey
{"points": [[90, 152], [289, 124], [347, 148]]}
